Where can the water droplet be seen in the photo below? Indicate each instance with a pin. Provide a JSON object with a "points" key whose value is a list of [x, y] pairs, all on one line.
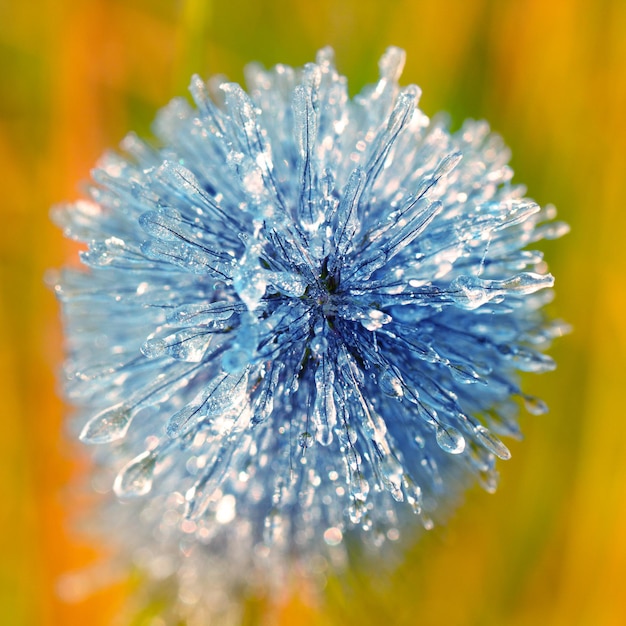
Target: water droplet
{"points": [[153, 348], [319, 345], [305, 440], [492, 443], [109, 425], [390, 385], [535, 406], [135, 478], [374, 319], [450, 440], [359, 487], [355, 511]]}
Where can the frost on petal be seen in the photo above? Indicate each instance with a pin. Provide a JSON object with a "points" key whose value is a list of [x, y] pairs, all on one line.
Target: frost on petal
{"points": [[302, 319]]}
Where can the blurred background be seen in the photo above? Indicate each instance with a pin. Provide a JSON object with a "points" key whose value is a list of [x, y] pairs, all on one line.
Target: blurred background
{"points": [[550, 76]]}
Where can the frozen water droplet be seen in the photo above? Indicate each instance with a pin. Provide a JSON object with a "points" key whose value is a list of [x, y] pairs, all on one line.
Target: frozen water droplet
{"points": [[355, 511], [319, 345], [305, 440], [109, 425], [535, 406], [373, 319], [188, 345], [359, 487], [390, 385], [470, 294], [492, 443], [450, 440], [135, 479], [153, 348], [391, 64]]}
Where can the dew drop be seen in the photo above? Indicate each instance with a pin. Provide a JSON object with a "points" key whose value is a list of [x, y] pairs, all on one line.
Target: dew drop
{"points": [[390, 385], [535, 406], [359, 487], [355, 511], [153, 348], [305, 439], [108, 425], [135, 478], [319, 345], [450, 440], [492, 443]]}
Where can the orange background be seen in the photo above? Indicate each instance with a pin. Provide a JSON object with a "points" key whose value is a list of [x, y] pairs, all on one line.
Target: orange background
{"points": [[550, 76]]}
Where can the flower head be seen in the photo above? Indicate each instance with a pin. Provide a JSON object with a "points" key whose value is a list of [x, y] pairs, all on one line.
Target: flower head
{"points": [[303, 316]]}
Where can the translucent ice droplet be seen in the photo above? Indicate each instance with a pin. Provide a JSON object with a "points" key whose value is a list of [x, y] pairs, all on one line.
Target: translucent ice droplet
{"points": [[450, 440], [492, 443], [359, 487], [390, 385], [535, 406], [375, 319], [319, 345], [305, 439], [391, 64], [108, 425], [153, 348], [471, 292], [356, 511], [391, 472], [135, 478]]}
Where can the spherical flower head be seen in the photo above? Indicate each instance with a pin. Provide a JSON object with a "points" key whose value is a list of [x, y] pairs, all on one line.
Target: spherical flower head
{"points": [[303, 317]]}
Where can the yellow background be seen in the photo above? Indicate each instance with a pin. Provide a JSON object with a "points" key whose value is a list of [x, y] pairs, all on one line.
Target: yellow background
{"points": [[550, 75]]}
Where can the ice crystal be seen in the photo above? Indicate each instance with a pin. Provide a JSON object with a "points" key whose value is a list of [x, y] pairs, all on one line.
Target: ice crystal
{"points": [[303, 316]]}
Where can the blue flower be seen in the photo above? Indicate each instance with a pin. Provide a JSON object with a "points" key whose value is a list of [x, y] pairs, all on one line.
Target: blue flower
{"points": [[303, 316]]}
